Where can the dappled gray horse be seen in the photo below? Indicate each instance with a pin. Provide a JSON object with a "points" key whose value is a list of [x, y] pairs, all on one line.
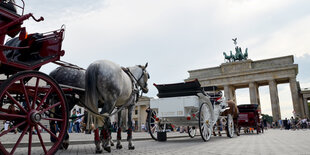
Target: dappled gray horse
{"points": [[72, 77], [115, 87]]}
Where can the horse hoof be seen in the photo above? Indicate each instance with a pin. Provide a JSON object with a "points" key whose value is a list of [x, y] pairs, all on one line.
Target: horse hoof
{"points": [[65, 145], [131, 147], [119, 146], [98, 151], [61, 147], [108, 149]]}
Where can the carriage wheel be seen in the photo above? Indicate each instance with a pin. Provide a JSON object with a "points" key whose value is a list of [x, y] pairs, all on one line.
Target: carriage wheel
{"points": [[204, 120], [153, 124], [26, 104], [191, 131], [230, 126]]}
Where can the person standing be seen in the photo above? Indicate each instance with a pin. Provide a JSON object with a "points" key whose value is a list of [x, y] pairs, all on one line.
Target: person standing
{"points": [[78, 121], [73, 118]]}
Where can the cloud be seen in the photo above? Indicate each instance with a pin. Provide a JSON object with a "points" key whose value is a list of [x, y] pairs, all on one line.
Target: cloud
{"points": [[291, 39], [177, 36]]}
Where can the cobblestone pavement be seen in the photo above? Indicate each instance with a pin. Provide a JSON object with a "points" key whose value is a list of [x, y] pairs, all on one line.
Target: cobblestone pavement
{"points": [[280, 142]]}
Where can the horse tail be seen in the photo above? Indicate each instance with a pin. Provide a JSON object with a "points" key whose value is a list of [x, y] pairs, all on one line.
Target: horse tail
{"points": [[91, 94]]}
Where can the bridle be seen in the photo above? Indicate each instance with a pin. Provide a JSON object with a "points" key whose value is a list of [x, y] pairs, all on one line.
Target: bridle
{"points": [[137, 81]]}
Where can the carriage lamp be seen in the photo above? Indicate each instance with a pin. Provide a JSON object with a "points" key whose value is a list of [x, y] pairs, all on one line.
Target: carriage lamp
{"points": [[23, 34], [156, 118], [188, 118]]}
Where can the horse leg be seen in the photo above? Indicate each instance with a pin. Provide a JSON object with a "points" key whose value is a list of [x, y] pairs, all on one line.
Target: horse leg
{"points": [[219, 123], [129, 132], [105, 135], [97, 141], [110, 137], [119, 131], [65, 143], [236, 126], [214, 134]]}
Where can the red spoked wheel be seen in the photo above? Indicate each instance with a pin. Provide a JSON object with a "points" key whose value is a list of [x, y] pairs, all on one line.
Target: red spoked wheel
{"points": [[34, 111]]}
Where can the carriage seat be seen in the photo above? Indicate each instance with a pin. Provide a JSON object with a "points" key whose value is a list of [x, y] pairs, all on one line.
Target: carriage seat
{"points": [[215, 94], [30, 55]]}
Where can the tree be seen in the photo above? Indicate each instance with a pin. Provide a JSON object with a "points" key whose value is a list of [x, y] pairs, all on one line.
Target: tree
{"points": [[267, 117]]}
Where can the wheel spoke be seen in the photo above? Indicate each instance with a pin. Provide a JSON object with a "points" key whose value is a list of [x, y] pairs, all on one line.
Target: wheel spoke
{"points": [[11, 129], [19, 139], [35, 93], [45, 97], [30, 141], [51, 133], [15, 102], [40, 138], [54, 119], [7, 117], [51, 107], [25, 93]]}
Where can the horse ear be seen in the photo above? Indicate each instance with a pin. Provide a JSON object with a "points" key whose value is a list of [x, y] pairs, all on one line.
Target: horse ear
{"points": [[146, 65]]}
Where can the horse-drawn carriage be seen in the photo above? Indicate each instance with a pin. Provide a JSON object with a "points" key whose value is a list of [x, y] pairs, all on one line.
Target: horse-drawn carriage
{"points": [[187, 104], [33, 102], [249, 118], [30, 100]]}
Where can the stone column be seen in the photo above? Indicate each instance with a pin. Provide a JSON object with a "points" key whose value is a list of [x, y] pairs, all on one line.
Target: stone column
{"points": [[226, 92], [295, 97], [139, 118], [301, 104], [258, 98], [229, 92], [275, 106], [254, 96], [305, 100]]}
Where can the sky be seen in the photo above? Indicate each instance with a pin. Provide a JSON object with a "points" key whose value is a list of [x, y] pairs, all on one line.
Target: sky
{"points": [[175, 36]]}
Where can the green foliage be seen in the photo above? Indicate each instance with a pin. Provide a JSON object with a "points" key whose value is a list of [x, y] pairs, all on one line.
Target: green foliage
{"points": [[267, 117]]}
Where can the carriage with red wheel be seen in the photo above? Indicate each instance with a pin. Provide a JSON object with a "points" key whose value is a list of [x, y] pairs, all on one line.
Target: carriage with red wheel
{"points": [[249, 118], [31, 102]]}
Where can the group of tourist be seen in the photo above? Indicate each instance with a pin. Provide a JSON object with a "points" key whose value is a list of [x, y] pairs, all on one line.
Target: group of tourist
{"points": [[292, 123], [76, 122]]}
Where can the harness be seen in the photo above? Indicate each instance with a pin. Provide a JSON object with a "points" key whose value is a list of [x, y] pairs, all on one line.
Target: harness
{"points": [[135, 88], [135, 92]]}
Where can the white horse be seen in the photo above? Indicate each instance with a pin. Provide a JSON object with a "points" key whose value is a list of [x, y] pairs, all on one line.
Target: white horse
{"points": [[109, 86]]}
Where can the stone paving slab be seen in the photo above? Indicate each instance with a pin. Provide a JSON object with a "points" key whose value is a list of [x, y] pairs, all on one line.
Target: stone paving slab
{"points": [[279, 142]]}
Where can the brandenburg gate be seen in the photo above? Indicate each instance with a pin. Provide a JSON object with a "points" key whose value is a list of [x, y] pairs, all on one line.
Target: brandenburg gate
{"points": [[252, 74]]}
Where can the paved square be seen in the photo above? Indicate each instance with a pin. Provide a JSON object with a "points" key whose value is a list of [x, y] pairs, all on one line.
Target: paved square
{"points": [[273, 141]]}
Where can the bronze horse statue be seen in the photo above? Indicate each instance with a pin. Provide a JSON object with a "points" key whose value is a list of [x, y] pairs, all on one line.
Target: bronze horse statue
{"points": [[233, 110]]}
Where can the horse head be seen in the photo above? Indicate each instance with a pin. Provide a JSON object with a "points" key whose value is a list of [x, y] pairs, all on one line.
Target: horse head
{"points": [[144, 76]]}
